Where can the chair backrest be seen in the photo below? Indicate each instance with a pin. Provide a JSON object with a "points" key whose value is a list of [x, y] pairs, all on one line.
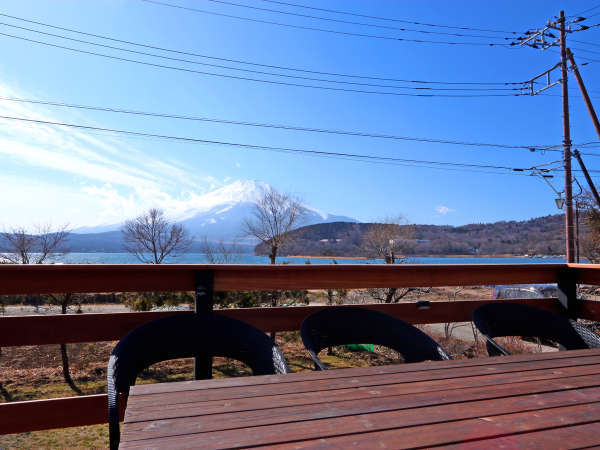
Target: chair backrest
{"points": [[184, 336], [354, 325], [500, 319]]}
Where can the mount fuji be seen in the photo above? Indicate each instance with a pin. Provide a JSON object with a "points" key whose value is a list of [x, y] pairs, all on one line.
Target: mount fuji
{"points": [[220, 214]]}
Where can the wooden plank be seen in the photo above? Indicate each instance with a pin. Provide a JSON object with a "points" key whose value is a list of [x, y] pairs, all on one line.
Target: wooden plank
{"points": [[167, 406], [47, 279], [469, 430], [406, 437], [322, 427], [577, 436], [378, 382], [428, 366], [262, 411], [34, 415], [71, 328]]}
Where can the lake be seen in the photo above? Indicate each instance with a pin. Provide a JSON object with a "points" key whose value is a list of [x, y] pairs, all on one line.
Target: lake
{"points": [[200, 258]]}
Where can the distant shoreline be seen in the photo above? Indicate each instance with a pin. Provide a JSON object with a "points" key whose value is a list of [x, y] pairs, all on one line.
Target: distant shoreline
{"points": [[325, 257], [427, 256]]}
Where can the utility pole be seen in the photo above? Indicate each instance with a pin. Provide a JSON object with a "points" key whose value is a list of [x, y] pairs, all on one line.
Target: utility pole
{"points": [[569, 225], [544, 39]]}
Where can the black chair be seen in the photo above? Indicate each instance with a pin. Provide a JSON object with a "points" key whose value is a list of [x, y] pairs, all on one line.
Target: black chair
{"points": [[184, 336], [353, 325], [502, 319]]}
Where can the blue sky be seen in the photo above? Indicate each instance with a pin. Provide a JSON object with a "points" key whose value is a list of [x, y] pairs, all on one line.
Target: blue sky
{"points": [[59, 175]]}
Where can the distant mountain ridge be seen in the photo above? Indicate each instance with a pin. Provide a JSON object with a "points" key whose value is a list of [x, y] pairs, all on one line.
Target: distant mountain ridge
{"points": [[539, 236]]}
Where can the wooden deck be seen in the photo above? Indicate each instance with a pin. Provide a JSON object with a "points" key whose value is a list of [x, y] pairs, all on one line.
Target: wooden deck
{"points": [[547, 400]]}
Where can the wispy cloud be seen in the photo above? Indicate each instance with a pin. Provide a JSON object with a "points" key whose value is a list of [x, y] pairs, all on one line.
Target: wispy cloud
{"points": [[443, 210], [90, 171]]}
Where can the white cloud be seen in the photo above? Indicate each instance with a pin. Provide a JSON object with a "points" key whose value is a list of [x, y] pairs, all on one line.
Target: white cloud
{"points": [[237, 164], [71, 175], [443, 210]]}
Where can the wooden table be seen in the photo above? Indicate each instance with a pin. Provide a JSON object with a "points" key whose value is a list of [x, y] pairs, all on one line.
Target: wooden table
{"points": [[538, 400]]}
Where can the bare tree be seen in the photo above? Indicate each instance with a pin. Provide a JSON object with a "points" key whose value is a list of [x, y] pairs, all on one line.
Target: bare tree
{"points": [[44, 244], [449, 327], [590, 239], [64, 301], [389, 239], [219, 252], [19, 246], [152, 238], [274, 215]]}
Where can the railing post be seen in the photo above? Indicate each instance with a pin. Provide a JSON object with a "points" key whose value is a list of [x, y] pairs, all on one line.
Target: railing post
{"points": [[203, 304], [567, 291]]}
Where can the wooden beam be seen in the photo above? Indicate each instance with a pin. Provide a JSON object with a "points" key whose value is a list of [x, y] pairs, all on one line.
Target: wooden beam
{"points": [[70, 328], [587, 273], [63, 278], [35, 415]]}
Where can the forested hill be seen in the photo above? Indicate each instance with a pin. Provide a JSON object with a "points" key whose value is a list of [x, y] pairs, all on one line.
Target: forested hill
{"points": [[540, 236]]}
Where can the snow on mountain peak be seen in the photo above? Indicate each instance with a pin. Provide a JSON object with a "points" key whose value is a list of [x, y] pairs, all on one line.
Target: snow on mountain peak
{"points": [[241, 191]]}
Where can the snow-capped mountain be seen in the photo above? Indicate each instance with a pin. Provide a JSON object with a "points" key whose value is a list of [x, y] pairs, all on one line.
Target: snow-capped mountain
{"points": [[219, 214]]}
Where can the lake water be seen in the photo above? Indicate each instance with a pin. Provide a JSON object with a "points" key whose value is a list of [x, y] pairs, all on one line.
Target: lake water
{"points": [[200, 258]]}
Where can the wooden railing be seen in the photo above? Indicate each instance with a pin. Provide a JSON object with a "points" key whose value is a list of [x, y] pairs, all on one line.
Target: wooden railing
{"points": [[91, 409]]}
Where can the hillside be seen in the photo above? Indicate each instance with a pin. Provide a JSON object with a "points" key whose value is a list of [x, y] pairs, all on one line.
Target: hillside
{"points": [[539, 236]]}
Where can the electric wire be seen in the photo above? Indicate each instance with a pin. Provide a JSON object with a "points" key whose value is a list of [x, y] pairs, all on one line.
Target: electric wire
{"points": [[584, 42], [183, 69], [266, 148], [354, 83], [586, 10], [252, 63], [337, 11], [585, 50], [324, 30], [348, 22], [284, 127]]}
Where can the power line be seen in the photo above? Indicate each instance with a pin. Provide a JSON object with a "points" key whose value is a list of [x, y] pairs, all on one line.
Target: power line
{"points": [[348, 22], [586, 10], [585, 42], [285, 127], [183, 69], [585, 50], [268, 148], [253, 63], [324, 30], [337, 11], [355, 83]]}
